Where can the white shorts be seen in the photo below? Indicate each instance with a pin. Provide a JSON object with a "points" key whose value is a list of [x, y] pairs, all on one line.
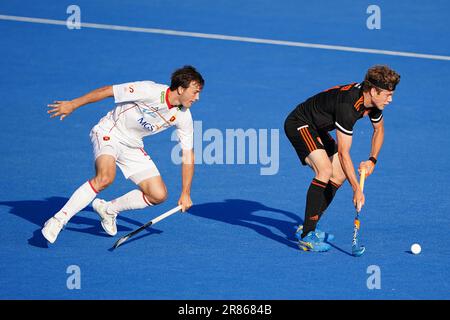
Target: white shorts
{"points": [[134, 163]]}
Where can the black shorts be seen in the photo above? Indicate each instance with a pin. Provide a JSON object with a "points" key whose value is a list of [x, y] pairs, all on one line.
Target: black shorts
{"points": [[305, 138]]}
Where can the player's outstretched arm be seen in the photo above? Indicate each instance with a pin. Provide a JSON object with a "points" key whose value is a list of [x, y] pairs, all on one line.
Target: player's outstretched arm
{"points": [[63, 108]]}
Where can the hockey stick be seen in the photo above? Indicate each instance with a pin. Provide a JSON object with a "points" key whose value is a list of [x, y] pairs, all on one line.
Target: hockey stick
{"points": [[148, 224], [357, 250]]}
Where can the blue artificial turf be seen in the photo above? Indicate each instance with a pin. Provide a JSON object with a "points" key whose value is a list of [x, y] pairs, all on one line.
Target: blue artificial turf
{"points": [[237, 240]]}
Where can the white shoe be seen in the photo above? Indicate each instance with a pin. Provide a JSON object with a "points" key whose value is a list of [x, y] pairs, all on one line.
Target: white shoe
{"points": [[51, 229], [108, 220]]}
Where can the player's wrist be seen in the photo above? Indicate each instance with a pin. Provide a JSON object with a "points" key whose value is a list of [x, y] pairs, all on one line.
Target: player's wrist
{"points": [[373, 160], [75, 104], [355, 187], [186, 193]]}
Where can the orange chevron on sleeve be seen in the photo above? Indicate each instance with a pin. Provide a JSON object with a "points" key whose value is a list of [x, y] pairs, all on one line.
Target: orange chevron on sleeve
{"points": [[359, 103], [348, 87]]}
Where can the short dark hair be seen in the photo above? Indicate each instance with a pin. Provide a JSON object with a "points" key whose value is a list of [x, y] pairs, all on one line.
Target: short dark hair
{"points": [[184, 76], [380, 77]]}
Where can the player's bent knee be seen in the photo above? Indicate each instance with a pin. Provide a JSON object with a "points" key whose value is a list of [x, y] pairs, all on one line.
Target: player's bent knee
{"points": [[102, 182], [155, 194], [338, 179], [325, 173], [161, 199], [157, 197]]}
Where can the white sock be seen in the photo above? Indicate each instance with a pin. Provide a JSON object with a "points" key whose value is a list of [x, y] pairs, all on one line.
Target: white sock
{"points": [[134, 199], [77, 202]]}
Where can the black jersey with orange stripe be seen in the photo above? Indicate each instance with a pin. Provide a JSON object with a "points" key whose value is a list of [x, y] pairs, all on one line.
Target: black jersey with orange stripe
{"points": [[336, 108]]}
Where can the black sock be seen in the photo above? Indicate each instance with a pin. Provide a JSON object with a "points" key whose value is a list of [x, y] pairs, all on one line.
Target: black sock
{"points": [[329, 193], [314, 201]]}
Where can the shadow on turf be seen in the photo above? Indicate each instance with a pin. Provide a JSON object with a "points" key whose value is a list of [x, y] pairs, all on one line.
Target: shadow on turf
{"points": [[145, 233], [349, 253], [38, 211], [244, 213]]}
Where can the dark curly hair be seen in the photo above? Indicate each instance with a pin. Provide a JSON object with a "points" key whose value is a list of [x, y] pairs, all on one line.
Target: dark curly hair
{"points": [[184, 76], [381, 77]]}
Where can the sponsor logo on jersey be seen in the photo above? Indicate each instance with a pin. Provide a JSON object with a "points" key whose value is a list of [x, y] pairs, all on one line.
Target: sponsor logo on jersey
{"points": [[152, 113], [145, 124], [106, 138], [172, 119], [153, 110]]}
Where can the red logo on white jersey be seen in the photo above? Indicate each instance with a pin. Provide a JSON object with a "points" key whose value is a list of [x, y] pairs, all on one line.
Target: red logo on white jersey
{"points": [[106, 138]]}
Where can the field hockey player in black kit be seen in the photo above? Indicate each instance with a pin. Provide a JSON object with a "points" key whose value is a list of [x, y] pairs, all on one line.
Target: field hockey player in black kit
{"points": [[307, 128]]}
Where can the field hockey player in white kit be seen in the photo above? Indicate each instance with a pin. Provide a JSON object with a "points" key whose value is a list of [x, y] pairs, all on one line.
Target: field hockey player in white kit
{"points": [[142, 108]]}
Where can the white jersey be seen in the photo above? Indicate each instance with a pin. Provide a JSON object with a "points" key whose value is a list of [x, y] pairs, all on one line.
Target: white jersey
{"points": [[143, 109]]}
